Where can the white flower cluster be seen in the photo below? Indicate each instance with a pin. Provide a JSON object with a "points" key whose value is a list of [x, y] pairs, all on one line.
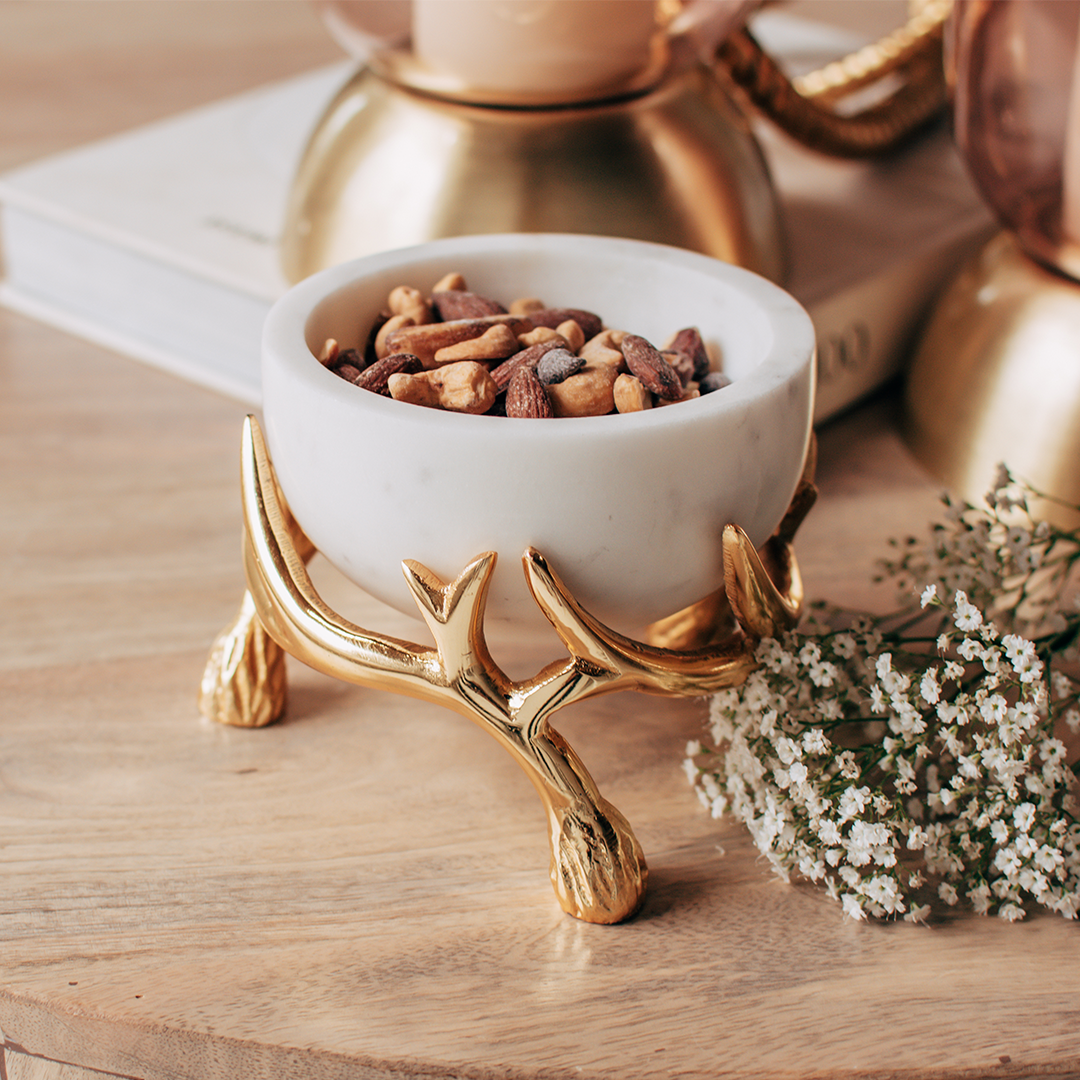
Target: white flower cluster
{"points": [[1006, 561], [891, 769]]}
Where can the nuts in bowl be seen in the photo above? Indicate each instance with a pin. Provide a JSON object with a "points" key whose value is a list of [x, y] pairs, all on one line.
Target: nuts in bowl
{"points": [[627, 507], [459, 351]]}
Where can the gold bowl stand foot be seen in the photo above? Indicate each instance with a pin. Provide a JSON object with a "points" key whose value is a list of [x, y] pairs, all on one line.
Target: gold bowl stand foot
{"points": [[244, 682]]}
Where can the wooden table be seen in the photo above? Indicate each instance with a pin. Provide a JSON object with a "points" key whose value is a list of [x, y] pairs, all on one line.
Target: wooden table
{"points": [[361, 891]]}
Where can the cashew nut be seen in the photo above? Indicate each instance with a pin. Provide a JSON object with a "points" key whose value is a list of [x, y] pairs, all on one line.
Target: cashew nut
{"points": [[465, 386]]}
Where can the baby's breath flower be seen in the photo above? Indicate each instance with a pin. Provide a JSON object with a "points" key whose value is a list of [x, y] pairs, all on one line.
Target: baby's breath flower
{"points": [[853, 906], [918, 914], [969, 649], [951, 767], [929, 690], [844, 645], [967, 617], [948, 893]]}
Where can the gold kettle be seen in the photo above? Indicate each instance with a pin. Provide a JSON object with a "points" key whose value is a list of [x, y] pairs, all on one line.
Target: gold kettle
{"points": [[640, 129]]}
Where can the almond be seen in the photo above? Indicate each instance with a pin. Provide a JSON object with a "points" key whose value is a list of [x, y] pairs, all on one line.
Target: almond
{"points": [[656, 374], [590, 324], [689, 341], [348, 364], [348, 372], [526, 397], [460, 304], [376, 378]]}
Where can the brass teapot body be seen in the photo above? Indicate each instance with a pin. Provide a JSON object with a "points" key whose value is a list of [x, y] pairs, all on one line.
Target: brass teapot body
{"points": [[389, 167], [672, 159]]}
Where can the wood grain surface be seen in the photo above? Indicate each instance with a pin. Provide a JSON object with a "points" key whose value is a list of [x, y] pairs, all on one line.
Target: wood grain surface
{"points": [[361, 891]]}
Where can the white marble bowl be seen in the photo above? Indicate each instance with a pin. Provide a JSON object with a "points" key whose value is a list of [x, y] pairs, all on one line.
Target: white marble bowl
{"points": [[628, 509]]}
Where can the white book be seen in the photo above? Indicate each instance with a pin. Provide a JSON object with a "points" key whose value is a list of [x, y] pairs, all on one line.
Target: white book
{"points": [[162, 243]]}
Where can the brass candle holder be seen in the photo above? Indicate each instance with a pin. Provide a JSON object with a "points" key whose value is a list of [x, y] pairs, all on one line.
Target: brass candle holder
{"points": [[598, 869]]}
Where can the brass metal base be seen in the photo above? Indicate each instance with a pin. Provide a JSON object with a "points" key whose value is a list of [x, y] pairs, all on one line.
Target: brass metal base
{"points": [[387, 167], [996, 379], [598, 870]]}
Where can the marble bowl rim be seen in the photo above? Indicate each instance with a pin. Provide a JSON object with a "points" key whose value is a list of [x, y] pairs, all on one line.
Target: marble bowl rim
{"points": [[286, 328]]}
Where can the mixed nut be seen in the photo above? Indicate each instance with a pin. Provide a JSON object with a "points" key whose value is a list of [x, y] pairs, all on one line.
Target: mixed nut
{"points": [[463, 352]]}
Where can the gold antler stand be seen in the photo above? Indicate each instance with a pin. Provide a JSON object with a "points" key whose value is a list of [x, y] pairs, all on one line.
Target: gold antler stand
{"points": [[597, 867]]}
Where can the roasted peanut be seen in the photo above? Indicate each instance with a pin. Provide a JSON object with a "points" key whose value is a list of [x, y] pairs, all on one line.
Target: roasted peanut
{"points": [[405, 300], [329, 353], [403, 297], [540, 335], [630, 395], [575, 336], [447, 282], [525, 304]]}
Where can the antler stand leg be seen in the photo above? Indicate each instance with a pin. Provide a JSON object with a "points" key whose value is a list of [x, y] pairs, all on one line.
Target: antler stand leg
{"points": [[598, 870]]}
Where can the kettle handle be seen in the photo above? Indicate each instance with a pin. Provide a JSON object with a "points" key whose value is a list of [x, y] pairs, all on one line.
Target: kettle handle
{"points": [[805, 107]]}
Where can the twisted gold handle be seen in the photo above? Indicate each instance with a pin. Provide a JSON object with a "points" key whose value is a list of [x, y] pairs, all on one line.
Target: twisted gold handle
{"points": [[805, 109]]}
